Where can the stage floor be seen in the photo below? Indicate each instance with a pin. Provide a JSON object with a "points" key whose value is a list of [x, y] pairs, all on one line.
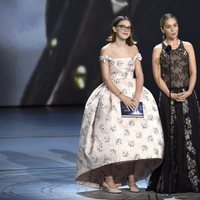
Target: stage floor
{"points": [[38, 157]]}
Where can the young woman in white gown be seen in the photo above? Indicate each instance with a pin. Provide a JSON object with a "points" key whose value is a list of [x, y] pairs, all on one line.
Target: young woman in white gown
{"points": [[115, 150]]}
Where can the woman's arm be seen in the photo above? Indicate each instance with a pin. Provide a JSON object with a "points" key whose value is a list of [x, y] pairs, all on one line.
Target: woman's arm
{"points": [[192, 73], [157, 71], [105, 73], [139, 79], [192, 68]]}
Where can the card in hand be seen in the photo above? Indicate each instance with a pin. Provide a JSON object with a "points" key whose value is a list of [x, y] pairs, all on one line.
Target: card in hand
{"points": [[132, 113]]}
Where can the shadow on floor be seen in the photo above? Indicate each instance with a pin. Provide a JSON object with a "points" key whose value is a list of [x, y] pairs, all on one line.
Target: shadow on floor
{"points": [[143, 195]]}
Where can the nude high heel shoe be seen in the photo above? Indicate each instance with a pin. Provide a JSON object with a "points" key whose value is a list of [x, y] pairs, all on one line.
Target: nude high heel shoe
{"points": [[134, 188], [109, 189]]}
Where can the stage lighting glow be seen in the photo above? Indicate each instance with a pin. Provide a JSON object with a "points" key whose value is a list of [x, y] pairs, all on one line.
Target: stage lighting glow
{"points": [[80, 76], [54, 42]]}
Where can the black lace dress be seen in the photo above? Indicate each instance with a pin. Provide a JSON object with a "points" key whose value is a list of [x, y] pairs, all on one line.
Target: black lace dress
{"points": [[180, 169]]}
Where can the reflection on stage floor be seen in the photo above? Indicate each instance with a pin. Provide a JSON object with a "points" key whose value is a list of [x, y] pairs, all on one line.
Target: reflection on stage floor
{"points": [[38, 157]]}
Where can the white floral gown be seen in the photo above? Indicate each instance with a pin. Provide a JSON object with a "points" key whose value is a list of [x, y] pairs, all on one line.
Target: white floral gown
{"points": [[108, 138]]}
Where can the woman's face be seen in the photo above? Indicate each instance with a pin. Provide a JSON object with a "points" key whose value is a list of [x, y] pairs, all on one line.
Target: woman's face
{"points": [[123, 29], [170, 28]]}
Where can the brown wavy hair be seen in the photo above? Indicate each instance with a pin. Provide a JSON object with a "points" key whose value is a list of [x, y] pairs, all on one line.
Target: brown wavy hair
{"points": [[112, 38]]}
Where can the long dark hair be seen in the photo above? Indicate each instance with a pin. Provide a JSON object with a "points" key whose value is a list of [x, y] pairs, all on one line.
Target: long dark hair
{"points": [[112, 38]]}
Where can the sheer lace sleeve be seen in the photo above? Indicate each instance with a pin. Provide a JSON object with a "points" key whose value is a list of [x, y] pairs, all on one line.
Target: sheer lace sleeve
{"points": [[103, 59]]}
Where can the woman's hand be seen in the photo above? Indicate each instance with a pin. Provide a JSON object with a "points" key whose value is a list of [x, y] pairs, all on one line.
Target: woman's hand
{"points": [[131, 103], [183, 96], [180, 97], [135, 102]]}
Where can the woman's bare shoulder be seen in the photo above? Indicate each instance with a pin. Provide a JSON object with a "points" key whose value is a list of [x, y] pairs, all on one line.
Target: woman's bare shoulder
{"points": [[188, 46], [158, 47], [105, 50], [186, 43], [134, 49]]}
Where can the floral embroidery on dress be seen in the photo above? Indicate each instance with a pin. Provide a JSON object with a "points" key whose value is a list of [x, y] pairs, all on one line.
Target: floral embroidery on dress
{"points": [[191, 152], [108, 138]]}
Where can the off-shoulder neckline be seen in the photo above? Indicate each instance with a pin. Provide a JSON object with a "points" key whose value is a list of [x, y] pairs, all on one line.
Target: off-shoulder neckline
{"points": [[120, 58]]}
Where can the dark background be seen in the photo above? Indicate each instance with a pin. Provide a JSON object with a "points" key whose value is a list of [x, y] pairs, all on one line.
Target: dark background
{"points": [[49, 49]]}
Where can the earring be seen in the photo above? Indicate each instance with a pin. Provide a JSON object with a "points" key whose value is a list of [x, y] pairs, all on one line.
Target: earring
{"points": [[163, 36]]}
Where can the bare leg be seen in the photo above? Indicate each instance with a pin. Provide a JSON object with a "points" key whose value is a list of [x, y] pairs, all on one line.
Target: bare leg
{"points": [[131, 178], [109, 184]]}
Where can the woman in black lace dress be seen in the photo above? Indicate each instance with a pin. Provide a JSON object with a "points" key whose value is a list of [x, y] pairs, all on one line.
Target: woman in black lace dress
{"points": [[174, 70]]}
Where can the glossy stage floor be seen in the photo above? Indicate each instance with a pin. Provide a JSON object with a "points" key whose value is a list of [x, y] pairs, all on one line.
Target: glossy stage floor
{"points": [[38, 158]]}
